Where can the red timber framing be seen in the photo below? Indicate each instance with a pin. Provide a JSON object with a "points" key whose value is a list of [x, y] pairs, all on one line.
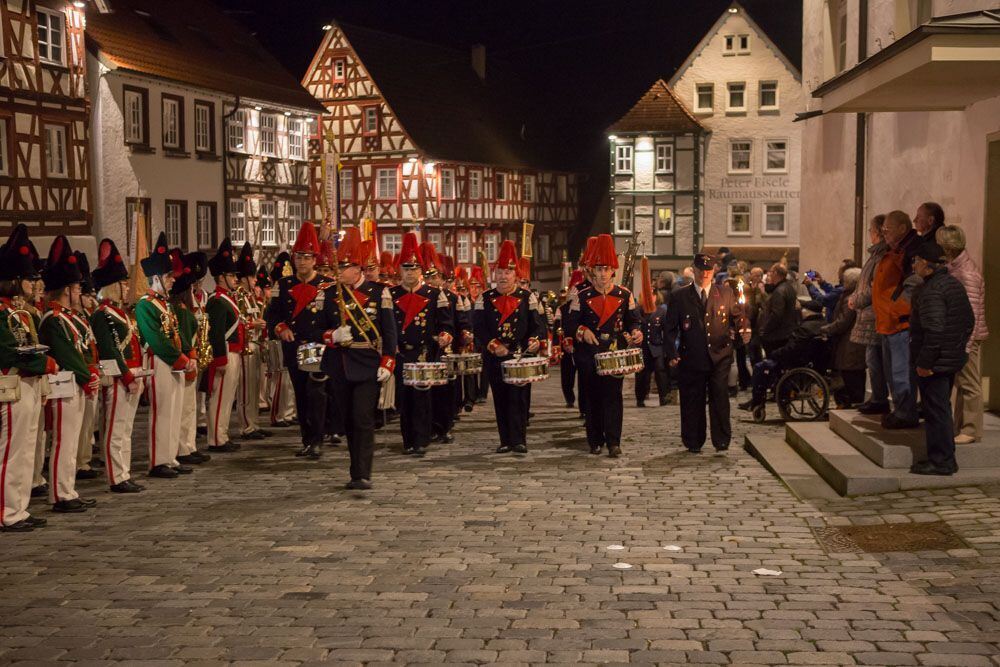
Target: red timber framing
{"points": [[403, 187], [43, 105]]}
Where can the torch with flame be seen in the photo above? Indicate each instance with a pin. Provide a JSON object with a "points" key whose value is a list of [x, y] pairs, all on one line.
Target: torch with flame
{"points": [[742, 299]]}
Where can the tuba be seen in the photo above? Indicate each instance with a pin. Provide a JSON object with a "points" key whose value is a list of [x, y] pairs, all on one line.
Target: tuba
{"points": [[204, 346]]}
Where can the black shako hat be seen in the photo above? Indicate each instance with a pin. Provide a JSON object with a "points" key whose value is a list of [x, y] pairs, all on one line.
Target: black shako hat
{"points": [[158, 262], [87, 284], [110, 265], [278, 268], [223, 262], [17, 258], [245, 266], [61, 269]]}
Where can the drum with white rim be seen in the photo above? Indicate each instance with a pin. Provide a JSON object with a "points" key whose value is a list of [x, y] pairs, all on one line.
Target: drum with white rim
{"points": [[425, 374], [468, 363], [619, 363], [310, 356], [525, 370]]}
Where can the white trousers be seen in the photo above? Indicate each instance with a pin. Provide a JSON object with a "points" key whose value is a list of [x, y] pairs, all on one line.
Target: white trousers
{"points": [[282, 397], [85, 451], [41, 440], [220, 401], [189, 418], [247, 395], [116, 430], [166, 391], [18, 428], [67, 418]]}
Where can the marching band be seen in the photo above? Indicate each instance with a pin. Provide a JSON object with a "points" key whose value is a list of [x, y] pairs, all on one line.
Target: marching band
{"points": [[334, 338]]}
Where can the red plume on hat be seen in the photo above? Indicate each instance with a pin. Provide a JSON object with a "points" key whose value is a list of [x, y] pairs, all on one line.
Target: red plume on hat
{"points": [[507, 258], [462, 277], [448, 262], [409, 254], [476, 275], [327, 253], [603, 253], [524, 268], [307, 241], [575, 278], [431, 262], [349, 251], [386, 265], [367, 254], [588, 251], [177, 262]]}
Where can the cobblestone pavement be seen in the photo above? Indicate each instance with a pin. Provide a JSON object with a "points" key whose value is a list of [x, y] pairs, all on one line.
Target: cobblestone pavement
{"points": [[471, 557]]}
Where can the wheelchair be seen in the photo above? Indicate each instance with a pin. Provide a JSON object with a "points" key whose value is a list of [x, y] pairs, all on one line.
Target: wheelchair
{"points": [[802, 393]]}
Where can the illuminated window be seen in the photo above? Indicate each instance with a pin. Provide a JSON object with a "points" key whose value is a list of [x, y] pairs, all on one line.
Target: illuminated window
{"points": [[664, 220]]}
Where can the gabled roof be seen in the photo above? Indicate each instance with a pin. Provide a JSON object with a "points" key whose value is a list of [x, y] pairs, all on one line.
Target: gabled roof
{"points": [[658, 110], [192, 42], [444, 107]]}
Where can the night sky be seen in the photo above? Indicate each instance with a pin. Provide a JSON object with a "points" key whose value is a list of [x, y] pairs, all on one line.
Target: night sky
{"points": [[588, 61]]}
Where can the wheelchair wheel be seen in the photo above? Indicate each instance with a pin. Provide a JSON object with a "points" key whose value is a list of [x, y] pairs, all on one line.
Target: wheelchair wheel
{"points": [[759, 414], [802, 395]]}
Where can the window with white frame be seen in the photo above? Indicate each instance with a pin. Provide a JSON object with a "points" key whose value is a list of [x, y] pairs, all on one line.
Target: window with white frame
{"points": [[268, 133], [768, 95], [236, 132], [664, 220], [491, 245], [437, 238], [392, 242], [204, 221], [447, 183], [346, 184], [623, 220], [500, 185], [729, 45], [339, 70], [776, 159], [529, 188], [296, 139], [743, 44], [55, 151], [174, 220], [704, 97], [268, 224], [371, 120], [739, 219], [737, 98], [774, 220], [203, 128], [238, 221], [463, 247], [135, 132], [171, 122], [475, 185], [4, 167], [385, 185], [664, 158], [51, 36], [294, 223], [544, 248], [739, 156], [623, 159]]}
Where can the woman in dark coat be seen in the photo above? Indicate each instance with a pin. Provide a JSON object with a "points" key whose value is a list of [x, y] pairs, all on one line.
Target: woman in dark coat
{"points": [[848, 357]]}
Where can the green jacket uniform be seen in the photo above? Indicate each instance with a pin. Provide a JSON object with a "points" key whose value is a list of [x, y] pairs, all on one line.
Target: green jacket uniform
{"points": [[223, 318], [66, 345], [165, 344], [29, 365], [115, 339], [187, 326]]}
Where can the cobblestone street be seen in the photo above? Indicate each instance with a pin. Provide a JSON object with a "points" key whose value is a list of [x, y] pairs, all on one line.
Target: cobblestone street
{"points": [[471, 557]]}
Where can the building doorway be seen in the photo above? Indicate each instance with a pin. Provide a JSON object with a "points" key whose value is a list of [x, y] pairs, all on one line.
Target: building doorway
{"points": [[991, 275]]}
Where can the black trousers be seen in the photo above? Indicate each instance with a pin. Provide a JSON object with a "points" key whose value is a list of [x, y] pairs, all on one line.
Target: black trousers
{"points": [[567, 375], [470, 389], [356, 401], [334, 424], [415, 413], [742, 364], [939, 429], [510, 403], [853, 391], [483, 385], [443, 408], [654, 368], [581, 389], [310, 404], [604, 416], [695, 388]]}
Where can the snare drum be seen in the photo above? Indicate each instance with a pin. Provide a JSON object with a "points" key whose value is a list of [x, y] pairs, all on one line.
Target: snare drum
{"points": [[469, 363], [525, 370], [309, 357], [619, 363], [425, 374]]}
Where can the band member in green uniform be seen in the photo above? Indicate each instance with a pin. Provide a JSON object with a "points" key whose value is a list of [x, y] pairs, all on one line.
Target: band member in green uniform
{"points": [[248, 392], [227, 333], [187, 268]]}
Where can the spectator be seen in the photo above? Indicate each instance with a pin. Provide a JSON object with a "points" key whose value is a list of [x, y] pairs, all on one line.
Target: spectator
{"points": [[756, 295], [929, 219], [892, 288], [779, 314], [863, 332], [665, 284], [848, 357], [686, 278], [737, 282], [652, 356], [968, 382], [941, 323], [824, 292]]}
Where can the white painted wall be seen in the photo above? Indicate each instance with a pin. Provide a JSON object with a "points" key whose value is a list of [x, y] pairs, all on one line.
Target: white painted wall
{"points": [[710, 64], [912, 157]]}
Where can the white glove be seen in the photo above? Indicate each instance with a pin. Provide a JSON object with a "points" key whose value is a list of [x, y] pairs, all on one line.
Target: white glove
{"points": [[342, 336], [383, 374]]}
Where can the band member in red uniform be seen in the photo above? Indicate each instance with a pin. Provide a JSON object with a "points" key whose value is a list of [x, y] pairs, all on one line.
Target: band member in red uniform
{"points": [[282, 394], [581, 390], [477, 283], [445, 398], [564, 338], [603, 317], [505, 321], [424, 327]]}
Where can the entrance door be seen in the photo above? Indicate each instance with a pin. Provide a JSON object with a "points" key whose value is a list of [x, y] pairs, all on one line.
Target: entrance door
{"points": [[991, 276]]}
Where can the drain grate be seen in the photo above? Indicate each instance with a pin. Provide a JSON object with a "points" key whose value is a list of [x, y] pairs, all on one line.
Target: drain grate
{"points": [[880, 538]]}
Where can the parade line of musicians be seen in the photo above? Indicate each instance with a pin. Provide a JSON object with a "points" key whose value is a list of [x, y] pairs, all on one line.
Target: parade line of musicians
{"points": [[334, 339]]}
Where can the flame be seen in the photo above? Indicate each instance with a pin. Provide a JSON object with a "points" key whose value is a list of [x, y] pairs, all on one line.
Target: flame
{"points": [[742, 299]]}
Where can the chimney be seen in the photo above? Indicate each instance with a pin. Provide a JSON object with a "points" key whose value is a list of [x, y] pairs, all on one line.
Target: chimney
{"points": [[478, 55]]}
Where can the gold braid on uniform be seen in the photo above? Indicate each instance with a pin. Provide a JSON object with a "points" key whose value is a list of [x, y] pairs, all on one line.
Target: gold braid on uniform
{"points": [[368, 325]]}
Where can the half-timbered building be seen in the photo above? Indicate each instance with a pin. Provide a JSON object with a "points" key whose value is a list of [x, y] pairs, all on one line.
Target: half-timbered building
{"points": [[197, 130], [44, 164], [433, 140]]}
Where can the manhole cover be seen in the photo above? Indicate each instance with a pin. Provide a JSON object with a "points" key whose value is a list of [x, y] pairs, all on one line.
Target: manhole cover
{"points": [[933, 536]]}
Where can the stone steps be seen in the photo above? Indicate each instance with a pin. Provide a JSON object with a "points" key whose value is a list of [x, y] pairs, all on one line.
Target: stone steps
{"points": [[785, 463]]}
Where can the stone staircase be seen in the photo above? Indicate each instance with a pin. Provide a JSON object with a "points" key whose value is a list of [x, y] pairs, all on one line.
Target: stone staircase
{"points": [[852, 456]]}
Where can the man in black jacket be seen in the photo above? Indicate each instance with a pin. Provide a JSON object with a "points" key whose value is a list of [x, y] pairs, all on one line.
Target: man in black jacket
{"points": [[941, 323], [778, 315]]}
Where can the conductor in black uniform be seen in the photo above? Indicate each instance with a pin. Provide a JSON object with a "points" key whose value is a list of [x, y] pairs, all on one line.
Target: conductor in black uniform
{"points": [[701, 327]]}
